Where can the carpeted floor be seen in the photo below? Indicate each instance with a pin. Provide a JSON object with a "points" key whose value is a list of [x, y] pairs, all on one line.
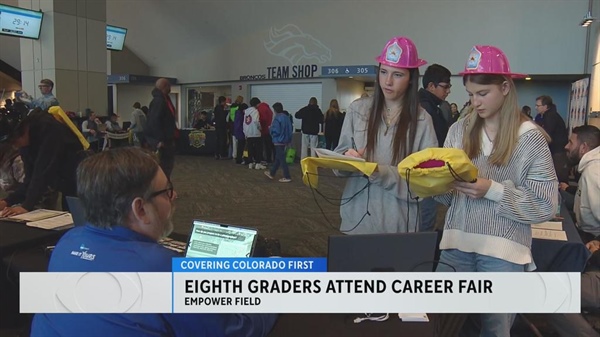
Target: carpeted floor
{"points": [[225, 192]]}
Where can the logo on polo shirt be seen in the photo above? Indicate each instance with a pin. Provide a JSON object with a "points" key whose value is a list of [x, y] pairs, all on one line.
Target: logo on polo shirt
{"points": [[83, 253]]}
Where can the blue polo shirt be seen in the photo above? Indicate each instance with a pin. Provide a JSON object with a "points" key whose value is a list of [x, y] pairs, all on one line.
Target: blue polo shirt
{"points": [[92, 249]]}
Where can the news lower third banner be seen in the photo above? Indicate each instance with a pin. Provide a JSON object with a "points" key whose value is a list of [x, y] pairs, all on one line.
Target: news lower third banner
{"points": [[297, 285]]}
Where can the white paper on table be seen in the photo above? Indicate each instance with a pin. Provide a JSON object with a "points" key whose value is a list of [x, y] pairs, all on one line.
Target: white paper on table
{"points": [[57, 222], [551, 225], [414, 317], [35, 215], [546, 234]]}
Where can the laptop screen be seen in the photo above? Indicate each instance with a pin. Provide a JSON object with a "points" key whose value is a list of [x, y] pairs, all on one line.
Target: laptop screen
{"points": [[216, 240]]}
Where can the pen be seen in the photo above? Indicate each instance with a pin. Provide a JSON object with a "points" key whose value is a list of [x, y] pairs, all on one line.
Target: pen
{"points": [[353, 144]]}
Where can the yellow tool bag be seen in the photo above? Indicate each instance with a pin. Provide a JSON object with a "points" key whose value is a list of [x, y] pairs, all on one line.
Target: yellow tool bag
{"points": [[432, 171]]}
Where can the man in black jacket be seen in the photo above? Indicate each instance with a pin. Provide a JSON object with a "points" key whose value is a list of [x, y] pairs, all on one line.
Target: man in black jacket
{"points": [[220, 120], [312, 118], [436, 87], [50, 153], [161, 129], [554, 125]]}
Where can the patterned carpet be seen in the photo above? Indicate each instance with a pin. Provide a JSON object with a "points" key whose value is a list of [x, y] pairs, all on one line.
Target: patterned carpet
{"points": [[225, 192]]}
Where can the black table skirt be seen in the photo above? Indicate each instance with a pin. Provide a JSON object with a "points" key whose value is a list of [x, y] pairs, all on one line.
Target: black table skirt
{"points": [[196, 142], [561, 256]]}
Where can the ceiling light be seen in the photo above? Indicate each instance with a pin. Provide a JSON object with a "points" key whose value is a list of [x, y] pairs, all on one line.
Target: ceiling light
{"points": [[527, 78], [587, 20]]}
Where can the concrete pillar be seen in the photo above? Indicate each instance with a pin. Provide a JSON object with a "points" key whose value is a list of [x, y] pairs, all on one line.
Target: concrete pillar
{"points": [[71, 52]]}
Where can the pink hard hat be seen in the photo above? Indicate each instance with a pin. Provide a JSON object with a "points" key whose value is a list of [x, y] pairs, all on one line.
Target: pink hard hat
{"points": [[488, 60], [400, 52]]}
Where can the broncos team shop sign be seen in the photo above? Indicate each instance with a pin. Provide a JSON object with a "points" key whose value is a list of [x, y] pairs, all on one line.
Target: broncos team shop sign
{"points": [[284, 72]]}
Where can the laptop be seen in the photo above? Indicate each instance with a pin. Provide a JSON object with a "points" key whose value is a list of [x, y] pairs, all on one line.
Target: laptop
{"points": [[401, 252], [210, 239], [76, 210]]}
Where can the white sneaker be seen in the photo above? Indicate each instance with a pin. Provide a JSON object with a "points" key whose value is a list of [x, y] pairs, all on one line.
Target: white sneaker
{"points": [[260, 166], [251, 166]]}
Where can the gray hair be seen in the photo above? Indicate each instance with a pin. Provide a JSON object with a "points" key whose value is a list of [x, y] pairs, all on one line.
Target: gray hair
{"points": [[108, 182]]}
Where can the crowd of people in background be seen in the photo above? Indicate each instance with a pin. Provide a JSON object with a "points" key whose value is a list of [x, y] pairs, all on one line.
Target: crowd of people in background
{"points": [[525, 163]]}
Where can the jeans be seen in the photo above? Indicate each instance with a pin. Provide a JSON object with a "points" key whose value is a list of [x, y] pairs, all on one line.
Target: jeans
{"points": [[308, 141], [269, 148], [234, 143], [428, 208], [280, 160], [240, 147], [497, 325], [254, 149], [221, 147]]}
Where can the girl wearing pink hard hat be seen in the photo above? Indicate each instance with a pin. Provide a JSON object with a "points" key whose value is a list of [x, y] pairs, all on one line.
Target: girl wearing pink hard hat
{"points": [[487, 227], [385, 129]]}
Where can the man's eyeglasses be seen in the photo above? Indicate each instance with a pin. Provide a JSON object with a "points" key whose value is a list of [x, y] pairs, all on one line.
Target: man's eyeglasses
{"points": [[169, 190], [445, 86], [43, 86]]}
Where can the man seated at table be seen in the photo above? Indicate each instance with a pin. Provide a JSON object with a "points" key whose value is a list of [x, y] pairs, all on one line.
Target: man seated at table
{"points": [[584, 149], [128, 210], [203, 122]]}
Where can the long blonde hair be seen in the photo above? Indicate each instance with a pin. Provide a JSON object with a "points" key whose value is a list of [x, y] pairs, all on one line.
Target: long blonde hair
{"points": [[511, 119], [334, 109]]}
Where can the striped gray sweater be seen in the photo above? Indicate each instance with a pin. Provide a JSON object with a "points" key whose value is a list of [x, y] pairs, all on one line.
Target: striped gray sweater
{"points": [[522, 193]]}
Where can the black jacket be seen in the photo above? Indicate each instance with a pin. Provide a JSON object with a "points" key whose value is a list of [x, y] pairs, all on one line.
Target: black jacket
{"points": [[430, 103], [312, 118], [50, 161], [333, 126], [160, 124], [220, 117], [554, 125]]}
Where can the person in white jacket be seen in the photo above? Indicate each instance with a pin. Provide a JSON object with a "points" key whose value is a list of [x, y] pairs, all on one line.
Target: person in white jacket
{"points": [[253, 135], [583, 148]]}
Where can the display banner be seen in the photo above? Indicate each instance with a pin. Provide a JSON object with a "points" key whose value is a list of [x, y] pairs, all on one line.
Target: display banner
{"points": [[291, 286], [578, 103]]}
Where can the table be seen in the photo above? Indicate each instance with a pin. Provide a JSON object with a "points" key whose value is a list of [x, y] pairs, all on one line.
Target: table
{"points": [[561, 256], [21, 249], [15, 236], [196, 142], [314, 325]]}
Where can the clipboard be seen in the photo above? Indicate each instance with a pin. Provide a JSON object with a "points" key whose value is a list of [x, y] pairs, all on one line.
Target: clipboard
{"points": [[335, 161]]}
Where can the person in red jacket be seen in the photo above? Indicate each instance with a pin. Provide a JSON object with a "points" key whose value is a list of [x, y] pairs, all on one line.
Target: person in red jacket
{"points": [[265, 117]]}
